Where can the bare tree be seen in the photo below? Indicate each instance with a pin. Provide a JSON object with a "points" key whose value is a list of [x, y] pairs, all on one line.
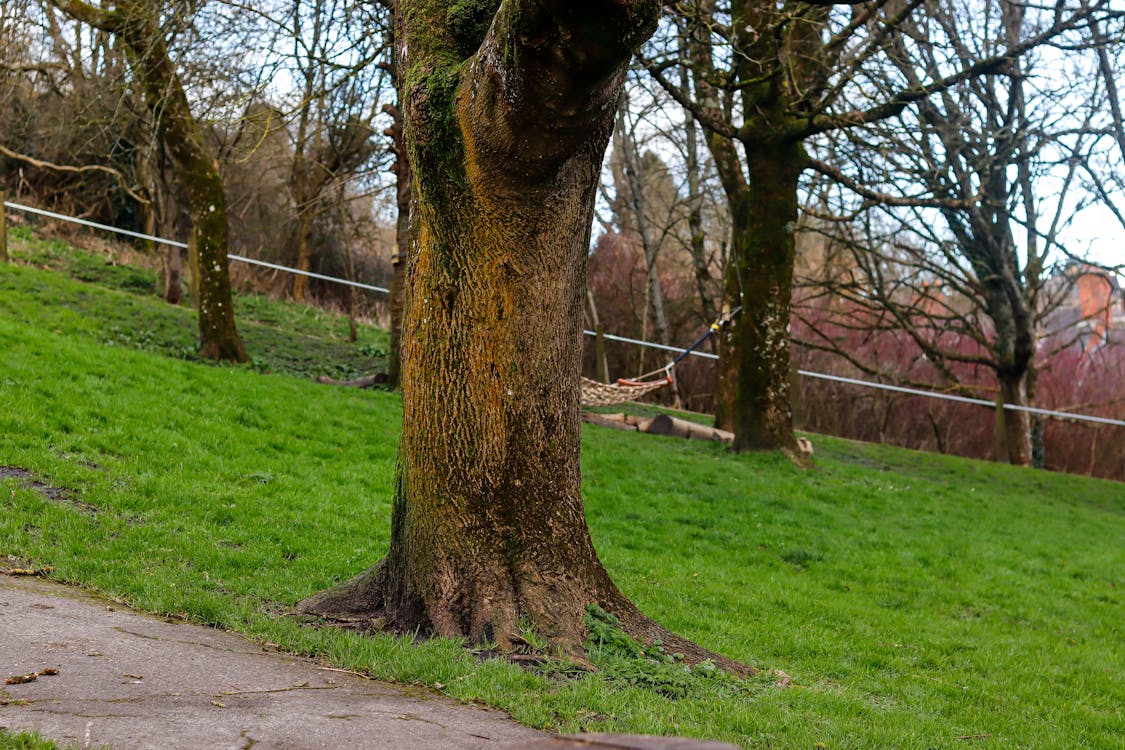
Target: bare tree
{"points": [[968, 267], [633, 197], [769, 78], [70, 132], [136, 24], [653, 271], [335, 45]]}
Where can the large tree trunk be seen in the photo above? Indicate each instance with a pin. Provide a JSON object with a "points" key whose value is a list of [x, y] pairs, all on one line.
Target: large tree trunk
{"points": [[488, 526], [752, 396]]}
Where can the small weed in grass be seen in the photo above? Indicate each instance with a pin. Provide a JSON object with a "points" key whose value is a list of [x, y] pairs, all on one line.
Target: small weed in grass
{"points": [[800, 557]]}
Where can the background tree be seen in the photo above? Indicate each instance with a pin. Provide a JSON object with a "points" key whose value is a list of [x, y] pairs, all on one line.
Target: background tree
{"points": [[404, 240], [335, 46], [635, 191], [996, 157], [509, 107], [136, 24], [767, 79], [70, 128], [673, 254]]}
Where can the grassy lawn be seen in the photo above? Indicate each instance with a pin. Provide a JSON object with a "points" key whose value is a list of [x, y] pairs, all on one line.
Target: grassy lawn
{"points": [[280, 338], [918, 601]]}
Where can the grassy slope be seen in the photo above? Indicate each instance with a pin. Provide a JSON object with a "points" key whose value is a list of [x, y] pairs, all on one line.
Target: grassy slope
{"points": [[916, 599]]}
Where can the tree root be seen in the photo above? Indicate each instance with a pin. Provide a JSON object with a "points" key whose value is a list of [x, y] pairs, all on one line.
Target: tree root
{"points": [[362, 604]]}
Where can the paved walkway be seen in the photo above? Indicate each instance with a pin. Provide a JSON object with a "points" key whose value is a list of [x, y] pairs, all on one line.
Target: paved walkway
{"points": [[132, 681]]}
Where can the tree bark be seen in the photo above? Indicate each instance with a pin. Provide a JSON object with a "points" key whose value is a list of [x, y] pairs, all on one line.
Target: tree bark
{"points": [[304, 255], [3, 227], [488, 527], [1015, 423], [754, 375]]}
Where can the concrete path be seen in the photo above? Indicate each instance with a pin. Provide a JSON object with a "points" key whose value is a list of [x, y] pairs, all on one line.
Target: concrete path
{"points": [[132, 681]]}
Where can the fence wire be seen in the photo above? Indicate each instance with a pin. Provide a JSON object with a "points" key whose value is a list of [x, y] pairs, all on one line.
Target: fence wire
{"points": [[608, 336]]}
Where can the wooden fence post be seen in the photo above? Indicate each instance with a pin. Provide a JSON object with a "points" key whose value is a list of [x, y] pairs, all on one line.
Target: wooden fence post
{"points": [[599, 353]]}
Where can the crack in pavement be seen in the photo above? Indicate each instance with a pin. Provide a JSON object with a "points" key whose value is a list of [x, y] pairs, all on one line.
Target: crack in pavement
{"points": [[160, 639], [305, 686]]}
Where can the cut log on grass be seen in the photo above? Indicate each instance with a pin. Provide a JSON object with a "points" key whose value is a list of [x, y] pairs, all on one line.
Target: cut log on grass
{"points": [[364, 382], [615, 421], [661, 424]]}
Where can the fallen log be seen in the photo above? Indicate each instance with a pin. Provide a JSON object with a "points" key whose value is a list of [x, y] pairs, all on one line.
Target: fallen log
{"points": [[661, 424], [675, 427], [363, 382]]}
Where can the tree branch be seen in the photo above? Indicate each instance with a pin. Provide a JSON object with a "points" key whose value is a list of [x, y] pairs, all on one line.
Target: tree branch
{"points": [[887, 199], [39, 164], [99, 18], [550, 68], [906, 97]]}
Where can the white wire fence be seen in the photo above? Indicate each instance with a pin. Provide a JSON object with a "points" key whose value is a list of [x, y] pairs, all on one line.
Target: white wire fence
{"points": [[174, 243], [609, 337]]}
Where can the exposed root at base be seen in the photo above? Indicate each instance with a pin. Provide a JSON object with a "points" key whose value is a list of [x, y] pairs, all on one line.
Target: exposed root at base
{"points": [[361, 604]]}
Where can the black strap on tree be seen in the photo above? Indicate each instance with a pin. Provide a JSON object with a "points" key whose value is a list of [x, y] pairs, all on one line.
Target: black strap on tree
{"points": [[718, 325]]}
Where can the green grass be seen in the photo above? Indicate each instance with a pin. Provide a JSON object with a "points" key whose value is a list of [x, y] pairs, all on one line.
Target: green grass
{"points": [[79, 299], [32, 741], [24, 741], [915, 599]]}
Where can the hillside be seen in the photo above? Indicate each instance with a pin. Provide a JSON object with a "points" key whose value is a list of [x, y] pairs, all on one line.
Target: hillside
{"points": [[917, 600]]}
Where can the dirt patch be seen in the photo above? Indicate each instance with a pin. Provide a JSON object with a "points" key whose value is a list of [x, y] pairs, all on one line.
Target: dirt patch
{"points": [[49, 491]]}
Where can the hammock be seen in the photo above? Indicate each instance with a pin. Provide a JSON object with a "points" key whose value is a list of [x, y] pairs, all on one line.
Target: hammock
{"points": [[623, 391]]}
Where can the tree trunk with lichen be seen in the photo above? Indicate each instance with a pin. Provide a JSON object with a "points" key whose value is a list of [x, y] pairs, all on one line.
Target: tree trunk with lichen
{"points": [[135, 23], [753, 390], [507, 116], [403, 242]]}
